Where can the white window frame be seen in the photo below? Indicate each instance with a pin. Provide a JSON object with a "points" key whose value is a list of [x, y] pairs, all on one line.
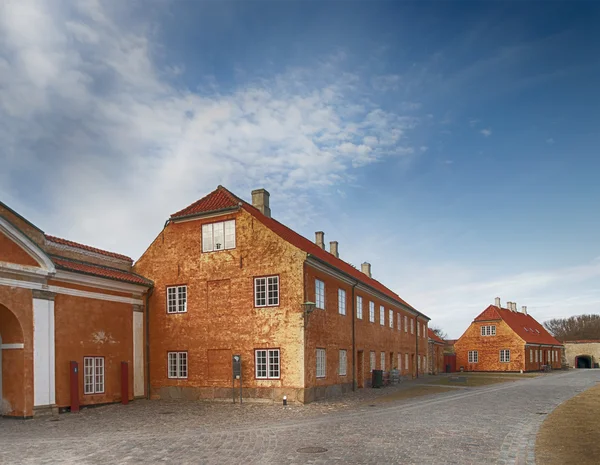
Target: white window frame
{"points": [[488, 330], [321, 363], [530, 355], [176, 299], [343, 368], [418, 329], [371, 311], [372, 360], [407, 365], [319, 294], [405, 324], [359, 307], [266, 291], [341, 301], [536, 355], [382, 361], [225, 229], [473, 356], [382, 315], [504, 355], [391, 318], [399, 319], [93, 375], [177, 365], [412, 326], [267, 363], [399, 362]]}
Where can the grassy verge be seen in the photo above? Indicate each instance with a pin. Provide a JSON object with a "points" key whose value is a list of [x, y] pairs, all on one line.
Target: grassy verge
{"points": [[570, 435]]}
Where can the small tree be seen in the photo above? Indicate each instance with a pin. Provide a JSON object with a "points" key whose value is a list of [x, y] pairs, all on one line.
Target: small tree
{"points": [[439, 332], [575, 327]]}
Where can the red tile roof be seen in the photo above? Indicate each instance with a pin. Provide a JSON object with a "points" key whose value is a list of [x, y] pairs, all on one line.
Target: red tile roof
{"points": [[60, 241], [434, 336], [525, 326], [101, 271], [221, 198]]}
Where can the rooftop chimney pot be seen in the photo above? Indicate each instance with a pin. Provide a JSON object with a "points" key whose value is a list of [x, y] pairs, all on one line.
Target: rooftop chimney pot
{"points": [[260, 200], [366, 268], [497, 302], [524, 309], [320, 239], [333, 248]]}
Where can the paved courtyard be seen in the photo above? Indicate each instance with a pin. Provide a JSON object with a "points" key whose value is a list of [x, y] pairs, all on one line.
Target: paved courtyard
{"points": [[492, 424]]}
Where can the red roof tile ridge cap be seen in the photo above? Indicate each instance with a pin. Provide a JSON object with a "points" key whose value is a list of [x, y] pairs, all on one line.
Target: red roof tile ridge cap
{"points": [[89, 248], [219, 188]]}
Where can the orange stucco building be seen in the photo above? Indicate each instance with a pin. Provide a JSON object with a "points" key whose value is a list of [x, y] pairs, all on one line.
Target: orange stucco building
{"points": [[505, 339], [229, 279], [63, 302]]}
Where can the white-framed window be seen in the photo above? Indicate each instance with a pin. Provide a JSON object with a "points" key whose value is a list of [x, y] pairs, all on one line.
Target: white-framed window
{"points": [[382, 357], [530, 355], [399, 320], [372, 312], [359, 309], [391, 318], [505, 355], [418, 363], [266, 291], [372, 360], [406, 367], [343, 362], [267, 363], [540, 355], [177, 299], [412, 326], [405, 324], [536, 355], [381, 315], [341, 301], [424, 330], [319, 294], [418, 329], [473, 356], [93, 375], [488, 330], [400, 363], [178, 364], [321, 363], [218, 236]]}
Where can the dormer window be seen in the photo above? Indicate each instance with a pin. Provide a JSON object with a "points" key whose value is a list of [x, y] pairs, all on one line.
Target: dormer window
{"points": [[218, 236]]}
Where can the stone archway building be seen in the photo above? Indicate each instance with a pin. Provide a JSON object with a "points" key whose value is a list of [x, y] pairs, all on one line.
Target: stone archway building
{"points": [[586, 352]]}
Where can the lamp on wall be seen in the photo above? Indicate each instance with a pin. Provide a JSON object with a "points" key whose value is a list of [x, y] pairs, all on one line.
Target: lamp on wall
{"points": [[308, 307]]}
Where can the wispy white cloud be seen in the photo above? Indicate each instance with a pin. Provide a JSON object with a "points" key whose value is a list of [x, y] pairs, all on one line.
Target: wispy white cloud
{"points": [[118, 147], [486, 132], [386, 82]]}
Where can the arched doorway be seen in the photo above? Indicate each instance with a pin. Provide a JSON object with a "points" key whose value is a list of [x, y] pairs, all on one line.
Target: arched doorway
{"points": [[583, 361], [12, 365]]}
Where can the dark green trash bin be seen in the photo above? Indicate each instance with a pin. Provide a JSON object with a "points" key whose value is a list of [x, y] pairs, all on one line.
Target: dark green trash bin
{"points": [[377, 379]]}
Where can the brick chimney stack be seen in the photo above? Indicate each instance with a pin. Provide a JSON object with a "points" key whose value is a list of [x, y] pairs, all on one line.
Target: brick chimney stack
{"points": [[497, 302], [320, 239], [366, 268], [333, 249], [260, 200]]}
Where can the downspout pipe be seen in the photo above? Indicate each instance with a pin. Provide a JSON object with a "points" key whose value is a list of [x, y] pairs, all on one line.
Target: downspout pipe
{"points": [[354, 338]]}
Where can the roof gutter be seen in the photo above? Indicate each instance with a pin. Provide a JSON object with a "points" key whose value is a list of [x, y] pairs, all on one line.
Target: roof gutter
{"points": [[353, 279]]}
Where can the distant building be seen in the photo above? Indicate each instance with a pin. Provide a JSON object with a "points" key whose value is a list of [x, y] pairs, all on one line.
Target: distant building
{"points": [[504, 339], [582, 353], [435, 353]]}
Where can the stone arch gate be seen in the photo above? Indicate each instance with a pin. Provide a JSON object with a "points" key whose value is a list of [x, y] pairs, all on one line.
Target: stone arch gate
{"points": [[13, 366]]}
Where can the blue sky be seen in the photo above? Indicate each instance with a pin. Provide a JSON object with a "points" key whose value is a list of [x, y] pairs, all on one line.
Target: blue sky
{"points": [[451, 144]]}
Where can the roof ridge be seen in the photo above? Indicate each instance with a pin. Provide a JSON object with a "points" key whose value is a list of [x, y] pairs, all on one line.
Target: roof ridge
{"points": [[89, 248]]}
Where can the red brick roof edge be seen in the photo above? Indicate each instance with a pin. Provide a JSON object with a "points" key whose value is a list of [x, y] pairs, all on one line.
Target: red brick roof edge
{"points": [[100, 271], [87, 248]]}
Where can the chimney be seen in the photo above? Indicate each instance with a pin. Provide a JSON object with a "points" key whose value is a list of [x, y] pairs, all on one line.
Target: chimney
{"points": [[320, 239], [260, 200], [366, 269], [497, 302], [509, 305], [524, 309], [333, 248], [515, 308]]}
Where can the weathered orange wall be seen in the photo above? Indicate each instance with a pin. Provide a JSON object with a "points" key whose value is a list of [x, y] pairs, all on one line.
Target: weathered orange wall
{"points": [[91, 327], [221, 318], [489, 348], [13, 253], [17, 366]]}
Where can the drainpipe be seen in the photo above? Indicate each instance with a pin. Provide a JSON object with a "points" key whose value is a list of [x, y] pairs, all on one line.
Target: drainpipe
{"points": [[354, 338], [148, 342]]}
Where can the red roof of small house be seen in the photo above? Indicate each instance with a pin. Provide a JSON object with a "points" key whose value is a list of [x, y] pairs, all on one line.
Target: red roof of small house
{"points": [[434, 336], [523, 324], [101, 271], [58, 240], [221, 199]]}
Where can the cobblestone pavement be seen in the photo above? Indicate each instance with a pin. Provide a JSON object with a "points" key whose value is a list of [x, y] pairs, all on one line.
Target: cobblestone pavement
{"points": [[493, 424]]}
